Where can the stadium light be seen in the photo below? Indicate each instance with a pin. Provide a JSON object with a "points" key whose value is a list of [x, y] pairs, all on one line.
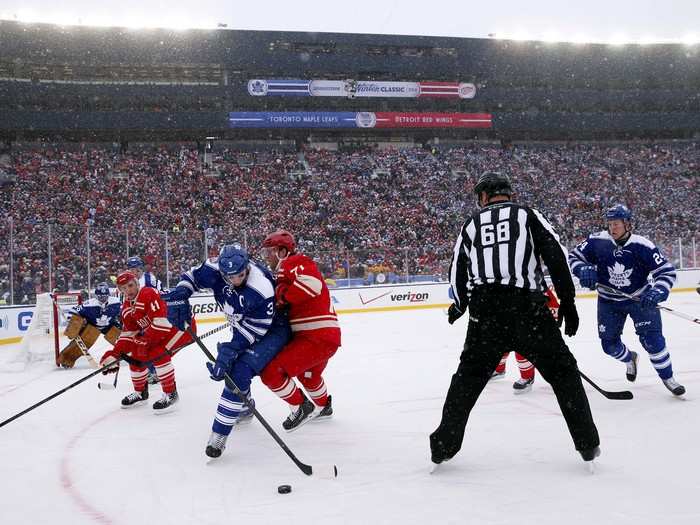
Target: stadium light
{"points": [[690, 40], [618, 40], [127, 20], [551, 37]]}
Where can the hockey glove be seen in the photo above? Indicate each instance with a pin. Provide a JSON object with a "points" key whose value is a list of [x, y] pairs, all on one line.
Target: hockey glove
{"points": [[454, 313], [280, 292], [588, 276], [179, 310], [226, 354], [569, 316], [652, 297], [109, 358]]}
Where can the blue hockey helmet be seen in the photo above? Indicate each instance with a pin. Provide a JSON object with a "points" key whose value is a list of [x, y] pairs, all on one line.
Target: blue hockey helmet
{"points": [[102, 292], [618, 212], [134, 262], [233, 259]]}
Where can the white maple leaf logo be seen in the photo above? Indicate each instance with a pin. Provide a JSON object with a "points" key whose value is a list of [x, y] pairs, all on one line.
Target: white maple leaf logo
{"points": [[619, 276]]}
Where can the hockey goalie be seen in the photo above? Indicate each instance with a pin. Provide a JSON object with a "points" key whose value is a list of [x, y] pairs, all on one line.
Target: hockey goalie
{"points": [[100, 315]]}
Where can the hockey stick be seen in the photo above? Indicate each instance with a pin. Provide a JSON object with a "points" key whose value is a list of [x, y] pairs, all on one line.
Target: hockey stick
{"points": [[327, 471], [111, 386], [660, 307], [84, 349], [622, 394], [56, 394]]}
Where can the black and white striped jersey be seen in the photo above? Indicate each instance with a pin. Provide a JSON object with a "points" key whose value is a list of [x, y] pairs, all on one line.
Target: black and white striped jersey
{"points": [[506, 243]]}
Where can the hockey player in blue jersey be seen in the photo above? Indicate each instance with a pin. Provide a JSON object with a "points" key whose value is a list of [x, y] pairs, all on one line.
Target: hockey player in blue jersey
{"points": [[137, 267], [88, 320], [632, 264], [246, 293]]}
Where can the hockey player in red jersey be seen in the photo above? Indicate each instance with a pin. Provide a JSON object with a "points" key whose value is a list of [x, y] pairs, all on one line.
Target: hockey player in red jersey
{"points": [[147, 336], [527, 369], [301, 289]]}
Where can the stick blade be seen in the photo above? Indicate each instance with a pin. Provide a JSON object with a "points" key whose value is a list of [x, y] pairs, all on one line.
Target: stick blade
{"points": [[106, 386], [323, 471], [623, 395]]}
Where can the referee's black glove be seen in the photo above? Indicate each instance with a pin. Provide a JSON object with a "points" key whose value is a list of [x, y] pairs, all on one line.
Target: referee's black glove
{"points": [[567, 312], [454, 313]]}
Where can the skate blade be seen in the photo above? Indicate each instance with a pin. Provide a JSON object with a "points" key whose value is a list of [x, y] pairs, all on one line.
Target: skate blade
{"points": [[434, 468], [590, 467], [137, 404], [165, 410], [523, 391]]}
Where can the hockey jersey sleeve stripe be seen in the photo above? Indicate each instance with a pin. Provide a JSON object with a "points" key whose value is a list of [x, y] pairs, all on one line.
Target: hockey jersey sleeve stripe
{"points": [[162, 323], [314, 318], [303, 288], [665, 269], [174, 339], [311, 282], [259, 321], [254, 329], [187, 284], [245, 333], [314, 325]]}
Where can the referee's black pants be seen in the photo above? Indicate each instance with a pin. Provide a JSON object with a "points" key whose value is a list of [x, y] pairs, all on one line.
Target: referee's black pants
{"points": [[503, 319]]}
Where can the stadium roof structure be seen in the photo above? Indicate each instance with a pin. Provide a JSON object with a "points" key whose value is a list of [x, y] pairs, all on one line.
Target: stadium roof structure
{"points": [[531, 88]]}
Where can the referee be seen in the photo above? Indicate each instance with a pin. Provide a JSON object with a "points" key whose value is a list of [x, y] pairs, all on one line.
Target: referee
{"points": [[496, 270]]}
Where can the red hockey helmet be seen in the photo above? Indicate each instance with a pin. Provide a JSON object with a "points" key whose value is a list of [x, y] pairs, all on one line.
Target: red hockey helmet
{"points": [[124, 277], [281, 238]]}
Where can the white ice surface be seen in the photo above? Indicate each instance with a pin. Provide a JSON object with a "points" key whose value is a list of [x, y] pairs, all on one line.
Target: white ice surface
{"points": [[80, 459]]}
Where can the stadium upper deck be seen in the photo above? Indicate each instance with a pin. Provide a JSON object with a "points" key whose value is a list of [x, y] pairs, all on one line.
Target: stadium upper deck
{"points": [[120, 82]]}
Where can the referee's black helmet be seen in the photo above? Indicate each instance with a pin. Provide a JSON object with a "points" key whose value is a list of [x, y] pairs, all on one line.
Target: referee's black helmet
{"points": [[493, 183]]}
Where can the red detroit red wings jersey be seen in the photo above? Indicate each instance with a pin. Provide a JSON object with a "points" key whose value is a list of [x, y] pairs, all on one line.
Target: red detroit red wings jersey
{"points": [[311, 311], [145, 315]]}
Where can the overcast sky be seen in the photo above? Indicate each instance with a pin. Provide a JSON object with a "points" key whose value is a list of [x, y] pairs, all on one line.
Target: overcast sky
{"points": [[597, 20]]}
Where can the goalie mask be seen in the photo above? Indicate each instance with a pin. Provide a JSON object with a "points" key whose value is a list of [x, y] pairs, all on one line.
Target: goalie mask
{"points": [[102, 293]]}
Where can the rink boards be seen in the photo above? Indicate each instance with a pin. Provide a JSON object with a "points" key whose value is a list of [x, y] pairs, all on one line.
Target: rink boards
{"points": [[14, 320]]}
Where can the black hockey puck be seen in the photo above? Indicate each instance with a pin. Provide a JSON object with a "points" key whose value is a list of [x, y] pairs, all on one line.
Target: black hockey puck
{"points": [[284, 489]]}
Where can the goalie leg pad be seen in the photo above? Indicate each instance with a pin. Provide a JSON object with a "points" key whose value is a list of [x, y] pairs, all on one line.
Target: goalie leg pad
{"points": [[112, 335], [75, 325], [69, 355], [89, 335]]}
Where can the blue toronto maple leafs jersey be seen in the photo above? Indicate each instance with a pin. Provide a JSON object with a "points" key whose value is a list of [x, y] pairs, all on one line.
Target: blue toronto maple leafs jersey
{"points": [[101, 316], [631, 267], [249, 309]]}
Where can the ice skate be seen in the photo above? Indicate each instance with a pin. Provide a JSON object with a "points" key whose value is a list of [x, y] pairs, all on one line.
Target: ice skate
{"points": [[216, 445], [303, 414], [326, 411], [523, 386], [674, 386], [246, 415], [632, 366], [135, 398], [588, 455], [166, 403]]}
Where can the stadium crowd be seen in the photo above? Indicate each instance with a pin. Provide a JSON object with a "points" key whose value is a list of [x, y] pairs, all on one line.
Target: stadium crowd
{"points": [[363, 212]]}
